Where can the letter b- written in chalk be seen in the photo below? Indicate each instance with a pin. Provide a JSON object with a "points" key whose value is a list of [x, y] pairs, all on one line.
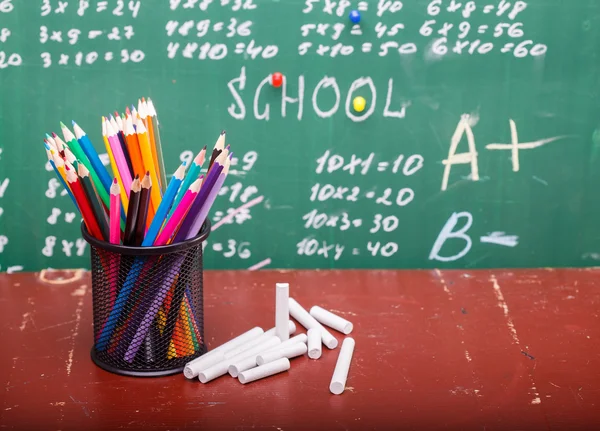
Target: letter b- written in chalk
{"points": [[448, 232]]}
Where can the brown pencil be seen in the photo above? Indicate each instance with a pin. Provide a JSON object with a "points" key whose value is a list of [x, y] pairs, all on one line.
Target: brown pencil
{"points": [[132, 212], [140, 224]]}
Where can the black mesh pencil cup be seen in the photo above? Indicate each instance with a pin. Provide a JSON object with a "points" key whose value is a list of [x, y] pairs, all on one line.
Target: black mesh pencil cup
{"points": [[148, 306]]}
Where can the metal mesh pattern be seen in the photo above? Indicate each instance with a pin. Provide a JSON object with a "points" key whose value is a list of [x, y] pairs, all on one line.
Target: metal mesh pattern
{"points": [[148, 309]]}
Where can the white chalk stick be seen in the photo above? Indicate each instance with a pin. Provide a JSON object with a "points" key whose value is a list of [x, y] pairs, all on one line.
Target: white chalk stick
{"points": [[340, 374], [282, 312], [246, 360], [289, 352], [300, 338], [255, 341], [314, 343], [243, 365], [193, 368], [222, 367], [334, 321], [306, 320], [263, 371]]}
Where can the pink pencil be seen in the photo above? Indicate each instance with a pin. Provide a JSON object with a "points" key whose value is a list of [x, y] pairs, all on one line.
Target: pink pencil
{"points": [[115, 213], [179, 214], [120, 159]]}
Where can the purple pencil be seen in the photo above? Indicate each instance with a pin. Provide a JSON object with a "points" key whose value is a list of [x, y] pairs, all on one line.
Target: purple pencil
{"points": [[209, 201]]}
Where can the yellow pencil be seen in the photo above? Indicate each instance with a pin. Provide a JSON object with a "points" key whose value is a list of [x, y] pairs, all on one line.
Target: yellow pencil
{"points": [[113, 165], [148, 161], [60, 165], [147, 118]]}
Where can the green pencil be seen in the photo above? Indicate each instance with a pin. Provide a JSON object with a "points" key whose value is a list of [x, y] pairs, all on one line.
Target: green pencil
{"points": [[78, 151]]}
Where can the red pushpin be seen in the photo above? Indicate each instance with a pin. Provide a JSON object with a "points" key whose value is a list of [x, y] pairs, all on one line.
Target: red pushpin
{"points": [[276, 79]]}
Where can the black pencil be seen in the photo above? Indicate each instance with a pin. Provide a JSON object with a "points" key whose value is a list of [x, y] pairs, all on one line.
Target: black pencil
{"points": [[90, 193], [132, 212], [140, 224], [218, 149]]}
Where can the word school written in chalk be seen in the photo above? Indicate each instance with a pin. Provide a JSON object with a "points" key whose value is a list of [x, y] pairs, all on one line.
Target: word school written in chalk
{"points": [[394, 106]]}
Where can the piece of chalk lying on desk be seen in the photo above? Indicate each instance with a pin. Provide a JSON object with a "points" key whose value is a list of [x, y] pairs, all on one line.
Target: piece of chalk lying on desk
{"points": [[289, 352], [334, 321], [253, 342], [282, 314], [300, 338], [193, 368], [246, 360], [306, 320], [240, 339], [263, 371], [314, 343], [340, 374], [222, 367]]}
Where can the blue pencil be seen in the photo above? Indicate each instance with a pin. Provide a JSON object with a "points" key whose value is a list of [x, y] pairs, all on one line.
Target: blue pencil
{"points": [[163, 208], [92, 156]]}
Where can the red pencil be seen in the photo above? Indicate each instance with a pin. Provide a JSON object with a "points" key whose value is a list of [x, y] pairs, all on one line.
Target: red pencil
{"points": [[84, 204]]}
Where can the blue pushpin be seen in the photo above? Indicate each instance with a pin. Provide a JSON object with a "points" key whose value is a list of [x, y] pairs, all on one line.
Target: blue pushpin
{"points": [[354, 16]]}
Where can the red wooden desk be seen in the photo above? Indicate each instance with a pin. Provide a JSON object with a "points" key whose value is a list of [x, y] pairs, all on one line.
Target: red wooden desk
{"points": [[481, 350]]}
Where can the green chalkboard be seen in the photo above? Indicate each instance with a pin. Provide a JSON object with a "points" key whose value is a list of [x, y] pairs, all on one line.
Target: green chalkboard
{"points": [[514, 85]]}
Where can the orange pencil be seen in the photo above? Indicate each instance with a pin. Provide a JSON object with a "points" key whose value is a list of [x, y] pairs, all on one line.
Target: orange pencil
{"points": [[133, 147], [83, 203], [142, 135]]}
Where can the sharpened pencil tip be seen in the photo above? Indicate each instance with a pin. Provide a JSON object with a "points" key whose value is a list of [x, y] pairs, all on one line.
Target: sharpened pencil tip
{"points": [[73, 122], [223, 132], [46, 145], [47, 135], [62, 125], [137, 176], [204, 147], [115, 181], [54, 135]]}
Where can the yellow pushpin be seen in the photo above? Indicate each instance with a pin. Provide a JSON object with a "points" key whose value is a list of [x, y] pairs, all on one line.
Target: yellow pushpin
{"points": [[359, 104]]}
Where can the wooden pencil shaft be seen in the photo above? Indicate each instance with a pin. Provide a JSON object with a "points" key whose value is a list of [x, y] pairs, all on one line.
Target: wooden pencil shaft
{"points": [[132, 216], [140, 225]]}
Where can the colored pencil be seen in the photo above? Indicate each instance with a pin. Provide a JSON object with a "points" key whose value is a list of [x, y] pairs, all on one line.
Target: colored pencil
{"points": [[76, 148], [115, 209], [97, 209], [86, 210], [203, 213], [218, 148], [179, 214], [132, 213], [113, 162], [190, 226], [60, 178], [164, 206], [133, 147], [118, 128], [148, 162], [92, 156], [60, 165], [51, 142], [140, 224], [146, 115], [157, 141], [121, 162], [191, 176]]}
